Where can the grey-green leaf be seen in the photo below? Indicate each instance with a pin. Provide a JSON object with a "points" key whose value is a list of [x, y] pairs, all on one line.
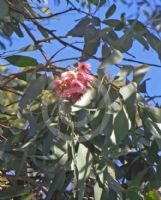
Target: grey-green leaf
{"points": [[84, 163], [124, 43], [3, 9], [92, 42], [128, 90], [33, 91], [80, 29], [121, 126]]}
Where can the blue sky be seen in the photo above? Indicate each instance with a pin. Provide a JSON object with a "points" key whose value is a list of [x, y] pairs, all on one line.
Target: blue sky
{"points": [[64, 23]]}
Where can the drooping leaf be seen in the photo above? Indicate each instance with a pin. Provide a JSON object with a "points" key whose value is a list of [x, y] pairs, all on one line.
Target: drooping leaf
{"points": [[22, 61], [57, 183], [84, 163], [154, 114], [33, 91], [121, 126], [92, 42], [3, 9]]}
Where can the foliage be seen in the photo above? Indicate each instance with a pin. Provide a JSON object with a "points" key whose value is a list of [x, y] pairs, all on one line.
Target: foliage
{"points": [[104, 146]]}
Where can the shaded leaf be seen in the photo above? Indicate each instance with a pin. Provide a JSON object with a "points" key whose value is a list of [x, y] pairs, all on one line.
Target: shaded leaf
{"points": [[33, 91], [3, 9], [112, 22], [80, 29], [92, 42], [16, 191], [121, 126], [110, 11], [124, 43]]}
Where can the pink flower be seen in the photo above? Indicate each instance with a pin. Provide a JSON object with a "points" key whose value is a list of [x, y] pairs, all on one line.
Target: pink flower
{"points": [[84, 67], [73, 84]]}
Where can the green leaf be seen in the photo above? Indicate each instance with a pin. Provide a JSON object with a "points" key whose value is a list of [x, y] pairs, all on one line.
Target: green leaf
{"points": [[15, 191], [84, 163], [154, 114], [29, 48], [80, 29], [121, 126], [22, 61], [140, 72], [92, 42], [3, 9], [57, 183], [142, 41], [33, 91], [124, 72], [110, 11], [105, 51], [153, 40], [124, 43], [128, 90], [98, 3], [137, 26], [112, 22], [152, 195], [114, 58], [98, 191]]}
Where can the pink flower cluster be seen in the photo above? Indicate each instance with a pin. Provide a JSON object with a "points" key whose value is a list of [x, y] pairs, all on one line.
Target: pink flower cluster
{"points": [[73, 84]]}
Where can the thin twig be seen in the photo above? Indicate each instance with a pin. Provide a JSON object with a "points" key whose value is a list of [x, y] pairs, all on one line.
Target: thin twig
{"points": [[52, 15], [7, 89], [35, 41], [140, 62]]}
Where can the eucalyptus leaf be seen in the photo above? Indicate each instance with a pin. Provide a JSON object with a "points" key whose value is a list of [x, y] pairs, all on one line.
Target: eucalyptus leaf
{"points": [[22, 61], [110, 11], [33, 91], [140, 72], [14, 191], [84, 163], [92, 42], [80, 29], [3, 9], [121, 126]]}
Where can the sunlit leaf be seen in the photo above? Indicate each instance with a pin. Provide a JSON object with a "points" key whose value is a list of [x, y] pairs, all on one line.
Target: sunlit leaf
{"points": [[84, 162]]}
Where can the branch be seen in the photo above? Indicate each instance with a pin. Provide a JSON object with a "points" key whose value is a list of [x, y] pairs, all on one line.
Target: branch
{"points": [[53, 15], [140, 62], [35, 41], [7, 89], [64, 43]]}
